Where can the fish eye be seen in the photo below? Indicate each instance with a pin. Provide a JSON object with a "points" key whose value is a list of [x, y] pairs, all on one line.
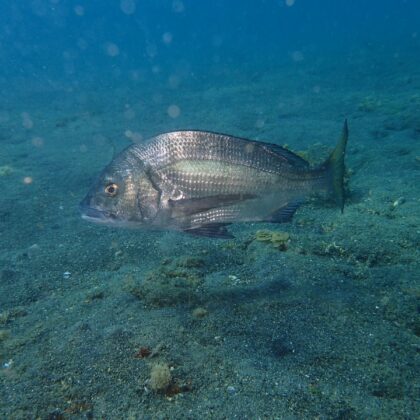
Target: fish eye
{"points": [[111, 190]]}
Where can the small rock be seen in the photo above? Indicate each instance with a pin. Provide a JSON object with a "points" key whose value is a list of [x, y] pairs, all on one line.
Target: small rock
{"points": [[199, 312]]}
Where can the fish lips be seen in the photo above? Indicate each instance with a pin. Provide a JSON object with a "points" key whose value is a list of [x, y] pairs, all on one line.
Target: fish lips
{"points": [[96, 215]]}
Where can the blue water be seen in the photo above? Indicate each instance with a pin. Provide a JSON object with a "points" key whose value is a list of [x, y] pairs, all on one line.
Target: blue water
{"points": [[326, 325], [72, 40]]}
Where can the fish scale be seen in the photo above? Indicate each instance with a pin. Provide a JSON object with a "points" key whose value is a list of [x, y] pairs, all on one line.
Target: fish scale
{"points": [[166, 149], [198, 182]]}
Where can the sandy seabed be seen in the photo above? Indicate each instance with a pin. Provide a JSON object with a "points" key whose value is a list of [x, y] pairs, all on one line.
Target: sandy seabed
{"points": [[327, 328]]}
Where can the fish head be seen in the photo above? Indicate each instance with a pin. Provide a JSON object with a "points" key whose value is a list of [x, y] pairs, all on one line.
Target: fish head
{"points": [[122, 195]]}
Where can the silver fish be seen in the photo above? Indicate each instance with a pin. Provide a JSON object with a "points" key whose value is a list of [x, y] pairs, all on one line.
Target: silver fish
{"points": [[199, 182]]}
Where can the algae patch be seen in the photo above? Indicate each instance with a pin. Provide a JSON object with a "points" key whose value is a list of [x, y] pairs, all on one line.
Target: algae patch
{"points": [[6, 170], [160, 377], [174, 281], [278, 240]]}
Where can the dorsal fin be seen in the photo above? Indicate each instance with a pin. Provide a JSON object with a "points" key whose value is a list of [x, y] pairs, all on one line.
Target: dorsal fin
{"points": [[291, 157]]}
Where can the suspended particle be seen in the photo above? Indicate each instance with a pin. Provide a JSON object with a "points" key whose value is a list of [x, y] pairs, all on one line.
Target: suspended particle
{"points": [[297, 56], [174, 111], [4, 117], [27, 121], [112, 49], [128, 6], [174, 81], [37, 141], [167, 38], [79, 10], [129, 114], [178, 6]]}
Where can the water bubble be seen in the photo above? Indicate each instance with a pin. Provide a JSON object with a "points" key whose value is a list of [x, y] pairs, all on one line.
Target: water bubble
{"points": [[290, 3], [33, 250], [99, 139], [69, 68], [151, 50], [167, 38], [4, 117], [137, 75], [178, 6], [174, 111], [297, 56], [136, 137], [82, 44], [79, 10], [27, 121], [27, 180], [217, 41], [133, 136], [260, 123], [157, 98], [37, 141], [129, 114], [112, 49], [128, 6], [39, 8], [174, 81]]}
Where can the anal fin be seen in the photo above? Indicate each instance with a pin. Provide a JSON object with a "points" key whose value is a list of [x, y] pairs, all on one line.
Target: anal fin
{"points": [[285, 213]]}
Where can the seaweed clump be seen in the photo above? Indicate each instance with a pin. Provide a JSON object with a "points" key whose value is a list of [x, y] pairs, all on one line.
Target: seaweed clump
{"points": [[160, 377], [174, 281], [6, 170], [278, 240]]}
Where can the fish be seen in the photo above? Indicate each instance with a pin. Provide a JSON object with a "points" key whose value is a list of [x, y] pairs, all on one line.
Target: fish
{"points": [[200, 182]]}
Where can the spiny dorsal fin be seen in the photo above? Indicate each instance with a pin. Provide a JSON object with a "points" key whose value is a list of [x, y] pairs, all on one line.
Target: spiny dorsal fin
{"points": [[291, 157]]}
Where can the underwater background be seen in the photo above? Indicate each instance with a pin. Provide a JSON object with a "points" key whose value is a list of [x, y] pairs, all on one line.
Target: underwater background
{"points": [[317, 318]]}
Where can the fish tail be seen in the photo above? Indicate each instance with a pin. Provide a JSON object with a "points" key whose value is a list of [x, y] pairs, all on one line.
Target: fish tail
{"points": [[334, 168]]}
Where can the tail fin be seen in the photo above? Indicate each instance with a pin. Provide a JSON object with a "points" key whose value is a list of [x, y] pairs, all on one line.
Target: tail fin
{"points": [[334, 167]]}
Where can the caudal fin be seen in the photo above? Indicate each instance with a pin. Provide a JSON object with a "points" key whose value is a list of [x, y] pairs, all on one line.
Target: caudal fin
{"points": [[334, 167]]}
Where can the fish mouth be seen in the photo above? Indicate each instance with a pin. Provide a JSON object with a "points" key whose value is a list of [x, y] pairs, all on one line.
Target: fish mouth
{"points": [[93, 214]]}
